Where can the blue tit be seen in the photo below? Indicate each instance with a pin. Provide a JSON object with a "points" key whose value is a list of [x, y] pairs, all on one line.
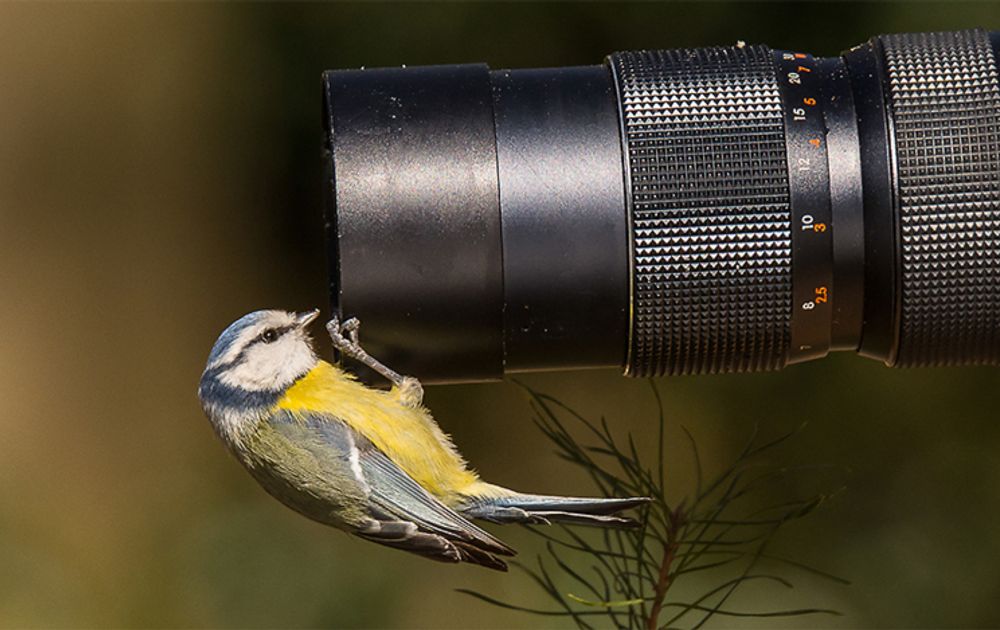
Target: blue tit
{"points": [[368, 461]]}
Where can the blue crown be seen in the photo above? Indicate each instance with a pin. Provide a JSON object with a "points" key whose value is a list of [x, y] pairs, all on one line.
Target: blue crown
{"points": [[229, 335]]}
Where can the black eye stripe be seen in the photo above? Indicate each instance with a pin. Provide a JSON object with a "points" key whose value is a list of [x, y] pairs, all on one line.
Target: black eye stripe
{"points": [[243, 353], [278, 332]]}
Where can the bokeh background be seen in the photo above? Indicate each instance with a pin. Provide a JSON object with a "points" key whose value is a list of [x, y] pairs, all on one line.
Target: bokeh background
{"points": [[160, 176]]}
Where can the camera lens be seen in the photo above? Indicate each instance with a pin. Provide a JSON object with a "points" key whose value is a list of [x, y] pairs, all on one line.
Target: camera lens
{"points": [[672, 212]]}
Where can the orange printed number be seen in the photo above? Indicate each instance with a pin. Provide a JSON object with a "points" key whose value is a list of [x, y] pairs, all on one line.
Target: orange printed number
{"points": [[819, 227], [809, 101], [822, 295]]}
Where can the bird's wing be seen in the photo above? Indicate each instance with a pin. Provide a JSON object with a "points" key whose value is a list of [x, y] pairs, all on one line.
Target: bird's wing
{"points": [[403, 514]]}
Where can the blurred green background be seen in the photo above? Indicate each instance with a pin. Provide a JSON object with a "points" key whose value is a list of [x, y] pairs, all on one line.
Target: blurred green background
{"points": [[160, 176]]}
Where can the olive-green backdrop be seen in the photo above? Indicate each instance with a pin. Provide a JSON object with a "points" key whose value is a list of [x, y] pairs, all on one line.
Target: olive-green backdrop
{"points": [[160, 176]]}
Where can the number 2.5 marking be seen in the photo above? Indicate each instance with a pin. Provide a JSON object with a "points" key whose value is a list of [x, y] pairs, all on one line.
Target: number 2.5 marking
{"points": [[822, 297]]}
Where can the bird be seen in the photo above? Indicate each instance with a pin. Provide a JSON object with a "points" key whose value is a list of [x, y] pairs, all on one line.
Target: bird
{"points": [[372, 462]]}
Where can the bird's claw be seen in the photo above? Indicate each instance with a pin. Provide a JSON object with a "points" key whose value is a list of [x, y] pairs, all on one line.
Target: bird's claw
{"points": [[345, 337], [345, 334], [333, 328], [351, 329]]}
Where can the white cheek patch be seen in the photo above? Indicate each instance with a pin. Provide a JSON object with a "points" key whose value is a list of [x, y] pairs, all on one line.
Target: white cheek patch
{"points": [[271, 366]]}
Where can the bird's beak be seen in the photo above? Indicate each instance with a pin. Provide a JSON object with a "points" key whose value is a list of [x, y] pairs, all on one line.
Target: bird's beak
{"points": [[305, 318]]}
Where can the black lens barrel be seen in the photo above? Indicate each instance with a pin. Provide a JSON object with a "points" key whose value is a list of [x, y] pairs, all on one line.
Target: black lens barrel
{"points": [[412, 160], [672, 212], [478, 217]]}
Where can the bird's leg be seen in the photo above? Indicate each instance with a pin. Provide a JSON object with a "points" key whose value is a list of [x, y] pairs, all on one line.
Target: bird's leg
{"points": [[345, 338]]}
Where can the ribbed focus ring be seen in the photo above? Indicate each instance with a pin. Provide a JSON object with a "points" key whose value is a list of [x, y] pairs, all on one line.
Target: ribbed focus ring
{"points": [[710, 213], [944, 101]]}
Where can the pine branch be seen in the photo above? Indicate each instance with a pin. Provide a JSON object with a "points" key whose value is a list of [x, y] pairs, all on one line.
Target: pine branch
{"points": [[630, 573]]}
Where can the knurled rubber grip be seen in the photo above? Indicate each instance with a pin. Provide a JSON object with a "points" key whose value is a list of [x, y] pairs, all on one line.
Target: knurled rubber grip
{"points": [[707, 179], [944, 105]]}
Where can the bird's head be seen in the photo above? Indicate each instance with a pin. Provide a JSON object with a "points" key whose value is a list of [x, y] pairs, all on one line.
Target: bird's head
{"points": [[255, 360]]}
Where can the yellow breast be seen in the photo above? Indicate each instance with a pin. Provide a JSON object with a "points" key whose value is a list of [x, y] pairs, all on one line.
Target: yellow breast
{"points": [[409, 436]]}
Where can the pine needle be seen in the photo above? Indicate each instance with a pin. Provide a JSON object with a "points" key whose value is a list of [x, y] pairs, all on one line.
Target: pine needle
{"points": [[628, 576]]}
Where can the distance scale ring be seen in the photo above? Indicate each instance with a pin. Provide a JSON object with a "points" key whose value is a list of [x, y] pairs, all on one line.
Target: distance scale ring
{"points": [[800, 81]]}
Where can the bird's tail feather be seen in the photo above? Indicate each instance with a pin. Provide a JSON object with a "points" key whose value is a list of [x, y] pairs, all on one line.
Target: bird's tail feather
{"points": [[543, 510]]}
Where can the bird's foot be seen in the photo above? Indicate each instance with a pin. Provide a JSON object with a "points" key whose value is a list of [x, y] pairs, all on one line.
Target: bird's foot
{"points": [[350, 329], [410, 391], [344, 336]]}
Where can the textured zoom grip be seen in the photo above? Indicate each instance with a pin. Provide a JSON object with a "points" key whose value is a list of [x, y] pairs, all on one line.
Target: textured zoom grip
{"points": [[710, 215], [944, 101]]}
